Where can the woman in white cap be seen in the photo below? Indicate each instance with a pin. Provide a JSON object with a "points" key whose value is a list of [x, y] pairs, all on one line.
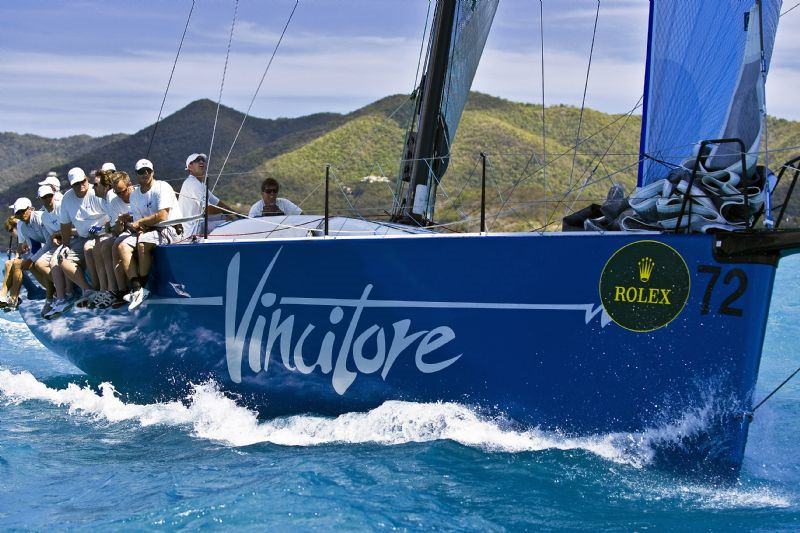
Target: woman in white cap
{"points": [[54, 183], [97, 251]]}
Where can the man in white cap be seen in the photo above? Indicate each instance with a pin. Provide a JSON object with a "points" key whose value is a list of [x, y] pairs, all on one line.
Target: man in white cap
{"points": [[81, 210], [192, 198], [32, 232], [52, 229], [108, 166], [153, 203], [54, 183]]}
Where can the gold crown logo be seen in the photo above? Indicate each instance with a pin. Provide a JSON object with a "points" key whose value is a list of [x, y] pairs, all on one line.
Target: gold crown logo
{"points": [[645, 268]]}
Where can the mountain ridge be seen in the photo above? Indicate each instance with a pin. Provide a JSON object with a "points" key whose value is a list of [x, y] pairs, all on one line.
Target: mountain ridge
{"points": [[368, 141]]}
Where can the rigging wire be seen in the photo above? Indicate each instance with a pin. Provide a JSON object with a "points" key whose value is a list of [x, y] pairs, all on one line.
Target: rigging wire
{"points": [[791, 8], [216, 115], [532, 158], [221, 87], [600, 160], [523, 178], [169, 82], [585, 88], [544, 130], [776, 389], [422, 47], [258, 88]]}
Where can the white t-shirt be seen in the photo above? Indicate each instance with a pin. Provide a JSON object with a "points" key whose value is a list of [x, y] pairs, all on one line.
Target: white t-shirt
{"points": [[109, 197], [34, 230], [284, 205], [82, 213], [160, 196], [50, 219], [117, 207], [191, 201]]}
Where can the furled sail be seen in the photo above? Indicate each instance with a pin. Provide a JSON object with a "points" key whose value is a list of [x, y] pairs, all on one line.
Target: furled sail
{"points": [[456, 44], [703, 81], [473, 19]]}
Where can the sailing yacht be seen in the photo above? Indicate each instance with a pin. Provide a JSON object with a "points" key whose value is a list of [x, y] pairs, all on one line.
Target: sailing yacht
{"points": [[583, 332]]}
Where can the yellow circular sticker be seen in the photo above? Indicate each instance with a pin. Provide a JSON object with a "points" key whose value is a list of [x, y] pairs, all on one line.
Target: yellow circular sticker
{"points": [[644, 285]]}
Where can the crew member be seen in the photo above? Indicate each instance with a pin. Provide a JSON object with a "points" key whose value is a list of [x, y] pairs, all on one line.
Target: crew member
{"points": [[192, 198], [270, 204]]}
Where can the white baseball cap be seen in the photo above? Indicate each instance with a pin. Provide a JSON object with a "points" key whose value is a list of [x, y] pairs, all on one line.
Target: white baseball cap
{"points": [[51, 180], [20, 204], [76, 175], [192, 157], [44, 190], [144, 163], [108, 166]]}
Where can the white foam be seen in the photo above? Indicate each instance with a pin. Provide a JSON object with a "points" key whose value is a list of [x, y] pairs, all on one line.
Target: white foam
{"points": [[711, 496], [210, 414]]}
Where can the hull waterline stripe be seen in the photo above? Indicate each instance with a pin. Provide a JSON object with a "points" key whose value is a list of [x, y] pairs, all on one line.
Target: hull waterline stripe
{"points": [[211, 300]]}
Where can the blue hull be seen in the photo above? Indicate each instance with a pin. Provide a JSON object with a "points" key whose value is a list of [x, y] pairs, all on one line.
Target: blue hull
{"points": [[515, 325]]}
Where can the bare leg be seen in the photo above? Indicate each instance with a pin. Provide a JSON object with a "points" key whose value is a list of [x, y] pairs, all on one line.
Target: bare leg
{"points": [[128, 261], [145, 253], [40, 277], [59, 281], [7, 277], [97, 260], [91, 268], [43, 267], [16, 278], [108, 263], [74, 273], [120, 266]]}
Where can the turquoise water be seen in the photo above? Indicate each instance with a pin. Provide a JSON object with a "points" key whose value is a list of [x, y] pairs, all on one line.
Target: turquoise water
{"points": [[74, 456]]}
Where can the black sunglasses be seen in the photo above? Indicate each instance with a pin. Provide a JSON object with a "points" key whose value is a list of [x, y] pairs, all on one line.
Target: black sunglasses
{"points": [[143, 171], [270, 191]]}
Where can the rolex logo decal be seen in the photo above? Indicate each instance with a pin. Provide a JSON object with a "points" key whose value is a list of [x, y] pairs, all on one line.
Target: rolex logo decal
{"points": [[646, 265], [644, 285]]}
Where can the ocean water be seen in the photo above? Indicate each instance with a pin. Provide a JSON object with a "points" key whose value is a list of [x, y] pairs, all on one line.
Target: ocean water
{"points": [[73, 456]]}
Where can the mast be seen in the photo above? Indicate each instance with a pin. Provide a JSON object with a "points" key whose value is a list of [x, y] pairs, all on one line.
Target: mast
{"points": [[427, 162]]}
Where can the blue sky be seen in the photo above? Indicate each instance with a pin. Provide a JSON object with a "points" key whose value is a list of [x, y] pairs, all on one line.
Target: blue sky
{"points": [[99, 67]]}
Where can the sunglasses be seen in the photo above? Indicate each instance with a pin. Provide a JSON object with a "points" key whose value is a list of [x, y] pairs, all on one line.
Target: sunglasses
{"points": [[270, 191], [143, 171]]}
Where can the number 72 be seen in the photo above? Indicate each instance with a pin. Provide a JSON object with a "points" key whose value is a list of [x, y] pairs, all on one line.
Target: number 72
{"points": [[715, 272]]}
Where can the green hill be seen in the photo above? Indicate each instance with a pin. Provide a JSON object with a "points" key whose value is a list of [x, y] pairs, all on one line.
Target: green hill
{"points": [[24, 156], [523, 192]]}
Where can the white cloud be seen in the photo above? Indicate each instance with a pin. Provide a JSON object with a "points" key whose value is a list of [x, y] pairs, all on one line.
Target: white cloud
{"points": [[66, 90]]}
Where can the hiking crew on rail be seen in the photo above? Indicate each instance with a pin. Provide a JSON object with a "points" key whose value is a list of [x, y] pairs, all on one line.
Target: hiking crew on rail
{"points": [[100, 235]]}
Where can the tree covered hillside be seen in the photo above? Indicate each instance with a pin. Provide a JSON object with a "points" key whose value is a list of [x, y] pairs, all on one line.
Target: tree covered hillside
{"points": [[534, 177]]}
